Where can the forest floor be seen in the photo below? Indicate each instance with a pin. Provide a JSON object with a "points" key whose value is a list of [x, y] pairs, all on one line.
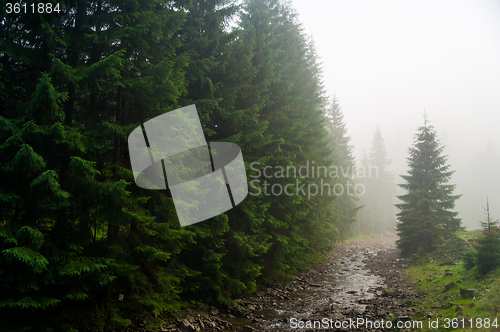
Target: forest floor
{"points": [[361, 287]]}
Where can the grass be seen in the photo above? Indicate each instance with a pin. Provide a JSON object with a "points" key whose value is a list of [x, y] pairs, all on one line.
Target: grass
{"points": [[431, 273]]}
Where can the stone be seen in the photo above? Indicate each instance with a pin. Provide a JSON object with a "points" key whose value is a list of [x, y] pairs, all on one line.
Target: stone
{"points": [[450, 286], [324, 308], [468, 293], [214, 311], [390, 292], [232, 305], [241, 311], [348, 311], [187, 324], [359, 310], [337, 316]]}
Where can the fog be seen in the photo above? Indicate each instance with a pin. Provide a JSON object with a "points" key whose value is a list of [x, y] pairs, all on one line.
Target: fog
{"points": [[388, 61]]}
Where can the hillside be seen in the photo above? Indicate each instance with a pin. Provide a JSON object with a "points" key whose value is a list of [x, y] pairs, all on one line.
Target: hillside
{"points": [[442, 278]]}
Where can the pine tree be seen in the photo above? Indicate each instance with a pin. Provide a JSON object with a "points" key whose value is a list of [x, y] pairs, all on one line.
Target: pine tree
{"points": [[425, 217]]}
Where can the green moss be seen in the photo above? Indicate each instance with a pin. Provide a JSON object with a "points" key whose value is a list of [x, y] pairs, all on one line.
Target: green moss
{"points": [[428, 276]]}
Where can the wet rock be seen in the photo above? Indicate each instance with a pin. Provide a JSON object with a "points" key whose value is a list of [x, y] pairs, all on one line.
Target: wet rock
{"points": [[241, 311], [381, 312], [324, 308], [390, 292], [187, 324], [348, 311], [337, 316], [232, 305], [359, 310], [362, 300]]}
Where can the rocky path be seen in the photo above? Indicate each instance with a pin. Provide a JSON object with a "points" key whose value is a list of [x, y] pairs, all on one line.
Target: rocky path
{"points": [[361, 287]]}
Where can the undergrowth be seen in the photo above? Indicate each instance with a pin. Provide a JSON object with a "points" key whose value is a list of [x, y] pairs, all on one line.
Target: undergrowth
{"points": [[440, 276]]}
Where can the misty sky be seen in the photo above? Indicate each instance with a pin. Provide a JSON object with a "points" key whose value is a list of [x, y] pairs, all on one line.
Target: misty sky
{"points": [[388, 60]]}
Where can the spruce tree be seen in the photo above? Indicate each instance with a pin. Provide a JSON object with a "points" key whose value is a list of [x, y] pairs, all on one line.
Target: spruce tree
{"points": [[73, 233], [425, 216], [345, 204], [379, 189], [487, 256], [76, 233], [279, 93]]}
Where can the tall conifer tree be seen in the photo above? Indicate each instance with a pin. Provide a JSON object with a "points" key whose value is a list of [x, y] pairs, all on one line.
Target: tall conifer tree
{"points": [[345, 203], [378, 201], [73, 233], [425, 216]]}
